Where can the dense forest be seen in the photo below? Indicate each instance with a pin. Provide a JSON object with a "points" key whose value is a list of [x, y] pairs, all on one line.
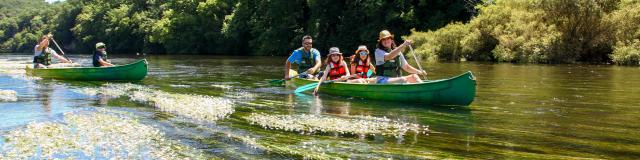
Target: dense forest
{"points": [[236, 27], [520, 31]]}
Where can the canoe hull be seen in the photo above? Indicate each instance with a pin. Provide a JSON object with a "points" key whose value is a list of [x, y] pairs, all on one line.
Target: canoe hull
{"points": [[459, 90], [131, 72]]}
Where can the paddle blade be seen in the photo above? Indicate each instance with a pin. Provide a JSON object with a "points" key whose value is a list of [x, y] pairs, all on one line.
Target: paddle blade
{"points": [[276, 82], [306, 87]]}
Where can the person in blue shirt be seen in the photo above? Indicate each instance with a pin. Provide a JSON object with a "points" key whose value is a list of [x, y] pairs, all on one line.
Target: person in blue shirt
{"points": [[100, 56], [307, 58]]}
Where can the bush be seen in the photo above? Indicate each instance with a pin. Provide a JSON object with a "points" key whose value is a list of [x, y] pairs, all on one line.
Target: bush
{"points": [[626, 53], [534, 31]]}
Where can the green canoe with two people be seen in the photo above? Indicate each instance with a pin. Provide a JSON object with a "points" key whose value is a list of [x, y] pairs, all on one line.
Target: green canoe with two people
{"points": [[131, 72]]}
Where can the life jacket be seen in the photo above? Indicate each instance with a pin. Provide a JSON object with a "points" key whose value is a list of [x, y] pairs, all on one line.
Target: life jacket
{"points": [[43, 58], [336, 71], [362, 69], [308, 60], [390, 68], [96, 62]]}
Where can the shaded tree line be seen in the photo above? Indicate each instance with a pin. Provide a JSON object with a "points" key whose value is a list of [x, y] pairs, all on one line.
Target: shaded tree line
{"points": [[230, 27]]}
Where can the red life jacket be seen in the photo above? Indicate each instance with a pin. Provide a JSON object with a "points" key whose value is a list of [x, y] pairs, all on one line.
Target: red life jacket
{"points": [[362, 69], [336, 71]]}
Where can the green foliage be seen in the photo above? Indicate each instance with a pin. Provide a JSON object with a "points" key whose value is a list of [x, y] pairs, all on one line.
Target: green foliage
{"points": [[239, 27], [626, 32], [536, 31], [627, 53]]}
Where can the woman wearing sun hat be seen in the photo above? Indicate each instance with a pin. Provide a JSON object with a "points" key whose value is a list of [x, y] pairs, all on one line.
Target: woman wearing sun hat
{"points": [[390, 61], [336, 69], [361, 63]]}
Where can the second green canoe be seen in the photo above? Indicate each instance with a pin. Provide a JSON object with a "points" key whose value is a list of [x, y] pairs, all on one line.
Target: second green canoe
{"points": [[458, 90], [131, 72]]}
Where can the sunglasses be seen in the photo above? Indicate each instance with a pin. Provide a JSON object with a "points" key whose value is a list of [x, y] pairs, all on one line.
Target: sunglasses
{"points": [[308, 43], [363, 53], [102, 47]]}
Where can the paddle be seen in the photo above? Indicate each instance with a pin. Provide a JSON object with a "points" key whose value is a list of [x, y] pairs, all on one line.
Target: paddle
{"points": [[280, 81], [61, 51], [417, 62], [314, 85]]}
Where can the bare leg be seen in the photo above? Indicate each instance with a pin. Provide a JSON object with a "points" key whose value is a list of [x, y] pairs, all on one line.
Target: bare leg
{"points": [[359, 80], [413, 78], [397, 80]]}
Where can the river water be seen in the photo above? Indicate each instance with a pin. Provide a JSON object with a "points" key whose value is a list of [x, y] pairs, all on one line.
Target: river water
{"points": [[222, 107]]}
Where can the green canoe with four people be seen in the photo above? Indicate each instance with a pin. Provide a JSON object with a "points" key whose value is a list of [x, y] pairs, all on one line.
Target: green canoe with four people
{"points": [[458, 90], [131, 72]]}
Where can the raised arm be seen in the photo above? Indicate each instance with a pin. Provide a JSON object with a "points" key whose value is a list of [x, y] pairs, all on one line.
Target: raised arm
{"points": [[397, 51]]}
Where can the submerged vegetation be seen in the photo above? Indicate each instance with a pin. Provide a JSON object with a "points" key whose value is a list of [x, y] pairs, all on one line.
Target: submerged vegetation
{"points": [[540, 31], [195, 107], [101, 134], [8, 95], [361, 126]]}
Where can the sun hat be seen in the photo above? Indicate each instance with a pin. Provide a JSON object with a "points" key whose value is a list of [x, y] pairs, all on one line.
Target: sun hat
{"points": [[362, 48], [384, 34], [334, 50]]}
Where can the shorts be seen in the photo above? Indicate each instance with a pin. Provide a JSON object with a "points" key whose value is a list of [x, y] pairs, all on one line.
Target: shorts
{"points": [[382, 80]]}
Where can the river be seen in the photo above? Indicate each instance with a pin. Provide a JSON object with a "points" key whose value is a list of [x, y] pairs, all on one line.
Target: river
{"points": [[222, 107]]}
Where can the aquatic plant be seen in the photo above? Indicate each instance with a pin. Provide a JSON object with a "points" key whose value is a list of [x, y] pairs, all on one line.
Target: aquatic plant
{"points": [[359, 125], [8, 95], [15, 69], [94, 135], [196, 107]]}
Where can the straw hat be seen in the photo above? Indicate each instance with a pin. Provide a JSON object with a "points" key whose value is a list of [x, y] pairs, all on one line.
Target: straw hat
{"points": [[384, 34]]}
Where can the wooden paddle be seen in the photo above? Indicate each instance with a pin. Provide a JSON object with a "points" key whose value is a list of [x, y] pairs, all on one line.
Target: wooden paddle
{"points": [[417, 62], [61, 51], [314, 85]]}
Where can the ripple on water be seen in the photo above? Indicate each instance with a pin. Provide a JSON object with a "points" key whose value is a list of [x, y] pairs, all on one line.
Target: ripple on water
{"points": [[92, 135], [196, 107], [8, 96]]}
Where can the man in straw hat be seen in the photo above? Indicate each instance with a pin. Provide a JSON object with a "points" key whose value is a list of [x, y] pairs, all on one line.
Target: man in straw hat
{"points": [[307, 58]]}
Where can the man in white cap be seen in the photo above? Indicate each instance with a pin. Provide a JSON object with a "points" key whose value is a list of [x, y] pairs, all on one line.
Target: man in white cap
{"points": [[100, 56]]}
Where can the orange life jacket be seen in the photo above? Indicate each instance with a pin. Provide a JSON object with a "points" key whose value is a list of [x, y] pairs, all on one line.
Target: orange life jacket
{"points": [[362, 69], [336, 71]]}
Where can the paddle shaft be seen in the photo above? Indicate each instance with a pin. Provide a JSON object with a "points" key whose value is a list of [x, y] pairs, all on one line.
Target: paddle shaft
{"points": [[417, 62], [61, 51]]}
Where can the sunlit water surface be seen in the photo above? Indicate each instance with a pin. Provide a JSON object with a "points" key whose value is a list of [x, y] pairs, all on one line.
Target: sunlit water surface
{"points": [[208, 107]]}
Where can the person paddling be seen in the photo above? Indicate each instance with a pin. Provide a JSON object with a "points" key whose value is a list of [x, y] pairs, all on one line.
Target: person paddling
{"points": [[336, 69], [100, 56], [390, 61], [42, 53], [307, 58]]}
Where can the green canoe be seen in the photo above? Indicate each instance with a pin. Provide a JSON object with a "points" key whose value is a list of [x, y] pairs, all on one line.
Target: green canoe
{"points": [[458, 90], [131, 72]]}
